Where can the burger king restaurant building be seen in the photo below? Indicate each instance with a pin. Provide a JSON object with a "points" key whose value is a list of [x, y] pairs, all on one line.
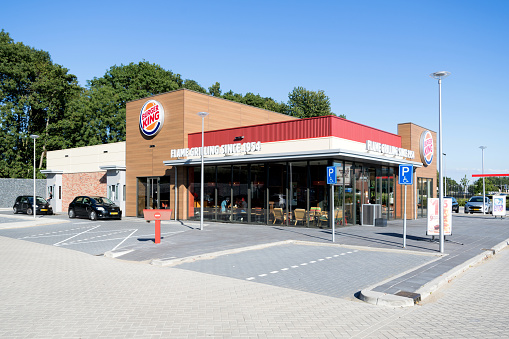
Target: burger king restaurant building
{"points": [[260, 167]]}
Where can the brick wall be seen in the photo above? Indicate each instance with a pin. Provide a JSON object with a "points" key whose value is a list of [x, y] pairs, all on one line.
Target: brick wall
{"points": [[73, 184]]}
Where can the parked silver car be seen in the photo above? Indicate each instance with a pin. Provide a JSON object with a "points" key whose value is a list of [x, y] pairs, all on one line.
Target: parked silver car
{"points": [[474, 205]]}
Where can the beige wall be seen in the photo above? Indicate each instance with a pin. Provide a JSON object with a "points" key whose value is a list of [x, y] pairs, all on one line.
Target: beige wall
{"points": [[87, 159]]}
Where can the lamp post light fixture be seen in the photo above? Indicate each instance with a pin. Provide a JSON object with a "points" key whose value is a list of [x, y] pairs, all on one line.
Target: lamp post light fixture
{"points": [[202, 115], [483, 189], [439, 76], [34, 210]]}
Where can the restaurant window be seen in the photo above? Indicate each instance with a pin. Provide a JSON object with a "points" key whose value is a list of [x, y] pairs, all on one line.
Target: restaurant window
{"points": [[209, 184], [240, 196], [298, 206], [318, 192], [210, 206], [258, 194], [224, 192], [278, 193], [350, 203], [194, 175], [425, 191], [339, 192]]}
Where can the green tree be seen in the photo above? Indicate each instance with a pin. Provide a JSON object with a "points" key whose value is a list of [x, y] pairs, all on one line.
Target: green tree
{"points": [[98, 114], [303, 103], [215, 90], [489, 185], [464, 183], [34, 94], [194, 86]]}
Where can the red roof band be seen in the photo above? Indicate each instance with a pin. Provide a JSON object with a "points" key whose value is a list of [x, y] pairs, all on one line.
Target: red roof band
{"points": [[490, 175], [325, 126]]}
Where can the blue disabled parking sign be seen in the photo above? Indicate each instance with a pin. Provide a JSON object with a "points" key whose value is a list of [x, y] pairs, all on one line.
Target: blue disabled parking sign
{"points": [[406, 174], [331, 175]]}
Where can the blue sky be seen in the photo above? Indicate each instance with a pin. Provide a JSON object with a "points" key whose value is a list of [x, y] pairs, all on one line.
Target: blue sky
{"points": [[372, 58]]}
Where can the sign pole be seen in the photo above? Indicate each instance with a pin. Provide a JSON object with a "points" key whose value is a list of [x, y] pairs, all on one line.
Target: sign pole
{"points": [[406, 175], [404, 222], [332, 214], [332, 180]]}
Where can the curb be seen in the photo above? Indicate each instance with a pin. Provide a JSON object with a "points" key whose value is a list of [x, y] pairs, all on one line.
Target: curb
{"points": [[426, 290], [384, 299], [206, 256], [391, 300], [112, 254]]}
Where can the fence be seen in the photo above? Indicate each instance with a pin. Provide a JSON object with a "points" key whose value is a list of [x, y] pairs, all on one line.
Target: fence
{"points": [[11, 188]]}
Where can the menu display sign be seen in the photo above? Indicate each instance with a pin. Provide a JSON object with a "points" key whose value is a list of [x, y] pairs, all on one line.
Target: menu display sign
{"points": [[434, 219], [499, 205]]}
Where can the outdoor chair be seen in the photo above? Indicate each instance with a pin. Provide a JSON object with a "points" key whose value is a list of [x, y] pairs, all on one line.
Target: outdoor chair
{"points": [[300, 215], [279, 215]]}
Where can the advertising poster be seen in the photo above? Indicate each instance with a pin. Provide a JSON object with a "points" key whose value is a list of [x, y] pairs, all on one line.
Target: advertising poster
{"points": [[339, 173], [499, 205], [433, 217]]}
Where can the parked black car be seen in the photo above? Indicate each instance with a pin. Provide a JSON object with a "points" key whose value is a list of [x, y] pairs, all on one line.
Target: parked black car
{"points": [[25, 204], [455, 205], [94, 208]]}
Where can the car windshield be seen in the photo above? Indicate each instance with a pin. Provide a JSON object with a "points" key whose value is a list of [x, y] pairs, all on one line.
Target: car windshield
{"points": [[476, 199], [102, 201], [40, 200]]}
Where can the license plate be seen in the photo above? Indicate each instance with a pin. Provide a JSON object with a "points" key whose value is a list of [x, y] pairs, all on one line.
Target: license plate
{"points": [[44, 210], [114, 213]]}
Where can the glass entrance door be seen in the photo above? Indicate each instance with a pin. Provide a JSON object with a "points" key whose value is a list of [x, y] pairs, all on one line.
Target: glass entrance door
{"points": [[152, 200], [153, 193]]}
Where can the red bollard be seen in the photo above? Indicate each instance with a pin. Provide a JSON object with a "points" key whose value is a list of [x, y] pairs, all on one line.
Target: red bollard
{"points": [[157, 215]]}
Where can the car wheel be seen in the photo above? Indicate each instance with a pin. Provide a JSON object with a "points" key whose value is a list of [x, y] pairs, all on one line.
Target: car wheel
{"points": [[71, 213], [29, 211], [15, 210], [92, 216]]}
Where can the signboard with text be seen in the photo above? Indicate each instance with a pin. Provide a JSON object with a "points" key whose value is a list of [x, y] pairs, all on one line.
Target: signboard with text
{"points": [[434, 219], [499, 205]]}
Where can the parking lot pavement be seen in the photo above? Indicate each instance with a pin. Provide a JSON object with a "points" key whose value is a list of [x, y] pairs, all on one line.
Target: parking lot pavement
{"points": [[342, 271], [92, 237], [257, 250], [8, 220]]}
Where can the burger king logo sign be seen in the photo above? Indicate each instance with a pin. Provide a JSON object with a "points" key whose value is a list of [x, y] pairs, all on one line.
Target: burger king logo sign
{"points": [[427, 148], [151, 118]]}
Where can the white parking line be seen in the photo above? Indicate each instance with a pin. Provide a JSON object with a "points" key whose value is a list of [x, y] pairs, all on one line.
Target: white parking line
{"points": [[303, 264], [51, 234], [75, 235], [124, 239]]}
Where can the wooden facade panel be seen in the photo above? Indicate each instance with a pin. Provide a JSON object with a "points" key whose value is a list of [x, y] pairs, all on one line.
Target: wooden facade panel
{"points": [[143, 160], [410, 139], [181, 108]]}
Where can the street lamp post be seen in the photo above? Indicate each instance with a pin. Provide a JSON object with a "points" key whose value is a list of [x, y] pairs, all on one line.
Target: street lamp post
{"points": [[483, 189], [202, 115], [445, 177], [34, 210], [439, 76]]}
